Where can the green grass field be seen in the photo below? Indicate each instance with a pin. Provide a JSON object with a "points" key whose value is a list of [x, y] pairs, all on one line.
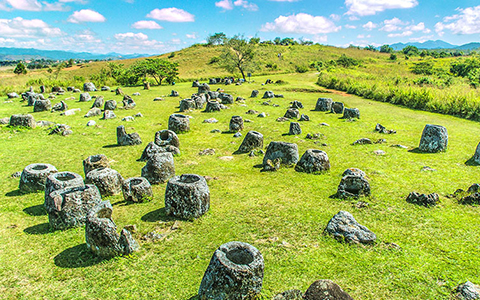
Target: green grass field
{"points": [[283, 213]]}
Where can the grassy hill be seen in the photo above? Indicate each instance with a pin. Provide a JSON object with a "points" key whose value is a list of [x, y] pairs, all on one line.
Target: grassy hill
{"points": [[283, 213]]}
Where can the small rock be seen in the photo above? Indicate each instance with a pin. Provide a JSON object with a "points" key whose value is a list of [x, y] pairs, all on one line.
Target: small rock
{"points": [[282, 119], [344, 227], [324, 124], [207, 152], [237, 135], [399, 146], [215, 131], [16, 174], [138, 115], [362, 141], [422, 199], [128, 119], [304, 117], [158, 99], [428, 169], [468, 291], [262, 115], [379, 152], [211, 120], [91, 123], [226, 158]]}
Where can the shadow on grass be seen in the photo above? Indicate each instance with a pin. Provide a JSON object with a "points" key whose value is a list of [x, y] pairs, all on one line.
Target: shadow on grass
{"points": [[36, 210], [43, 228], [471, 162], [194, 298], [112, 146], [416, 150], [158, 215], [14, 193], [259, 166], [77, 257]]}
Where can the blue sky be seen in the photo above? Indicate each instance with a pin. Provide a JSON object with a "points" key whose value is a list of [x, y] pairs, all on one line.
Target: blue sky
{"points": [[153, 27]]}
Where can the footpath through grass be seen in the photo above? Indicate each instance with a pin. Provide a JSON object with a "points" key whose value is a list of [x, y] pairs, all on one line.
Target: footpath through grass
{"points": [[283, 214]]}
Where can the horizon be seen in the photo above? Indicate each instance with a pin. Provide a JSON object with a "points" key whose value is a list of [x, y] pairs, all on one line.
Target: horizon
{"points": [[143, 27]]}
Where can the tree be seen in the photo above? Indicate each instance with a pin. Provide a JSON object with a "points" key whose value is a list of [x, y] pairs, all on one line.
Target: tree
{"points": [[157, 68], [20, 69], [371, 48], [58, 68], [410, 50], [238, 54], [70, 63], [277, 40], [254, 40], [386, 49], [216, 39]]}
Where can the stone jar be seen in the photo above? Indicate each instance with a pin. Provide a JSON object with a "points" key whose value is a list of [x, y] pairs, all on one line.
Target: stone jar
{"points": [[108, 181], [187, 196], [94, 162], [434, 139], [235, 272], [236, 124], [324, 104], [68, 207], [287, 152], [159, 168], [34, 176], [166, 137], [61, 180], [101, 233], [137, 189], [313, 161], [252, 140], [178, 123]]}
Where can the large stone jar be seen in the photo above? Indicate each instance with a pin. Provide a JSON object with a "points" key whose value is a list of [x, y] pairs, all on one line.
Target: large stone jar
{"points": [[187, 196], [235, 272]]}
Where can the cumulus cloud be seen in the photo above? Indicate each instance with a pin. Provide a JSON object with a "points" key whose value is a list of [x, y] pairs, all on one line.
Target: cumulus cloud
{"points": [[225, 4], [86, 15], [369, 25], [171, 14], [193, 35], [229, 4], [392, 25], [301, 23], [371, 7], [21, 28], [146, 25], [405, 33], [467, 21], [29, 5], [34, 5], [246, 5]]}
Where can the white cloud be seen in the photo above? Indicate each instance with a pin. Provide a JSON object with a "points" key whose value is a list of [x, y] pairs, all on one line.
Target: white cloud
{"points": [[225, 4], [246, 5], [422, 38], [301, 23], [229, 4], [335, 17], [193, 35], [284, 0], [171, 14], [86, 15], [392, 25], [57, 6], [29, 5], [348, 26], [131, 36], [21, 28], [419, 27], [369, 25], [405, 33], [362, 36], [467, 21], [371, 7], [146, 25]]}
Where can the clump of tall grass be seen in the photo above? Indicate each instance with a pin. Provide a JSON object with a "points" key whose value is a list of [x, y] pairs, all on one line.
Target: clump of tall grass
{"points": [[452, 100]]}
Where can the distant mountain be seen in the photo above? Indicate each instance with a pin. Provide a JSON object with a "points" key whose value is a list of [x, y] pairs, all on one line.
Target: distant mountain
{"points": [[469, 46], [30, 53], [438, 44]]}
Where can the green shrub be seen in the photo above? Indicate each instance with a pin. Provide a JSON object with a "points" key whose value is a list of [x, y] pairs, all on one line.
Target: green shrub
{"points": [[214, 60], [347, 62], [301, 68]]}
